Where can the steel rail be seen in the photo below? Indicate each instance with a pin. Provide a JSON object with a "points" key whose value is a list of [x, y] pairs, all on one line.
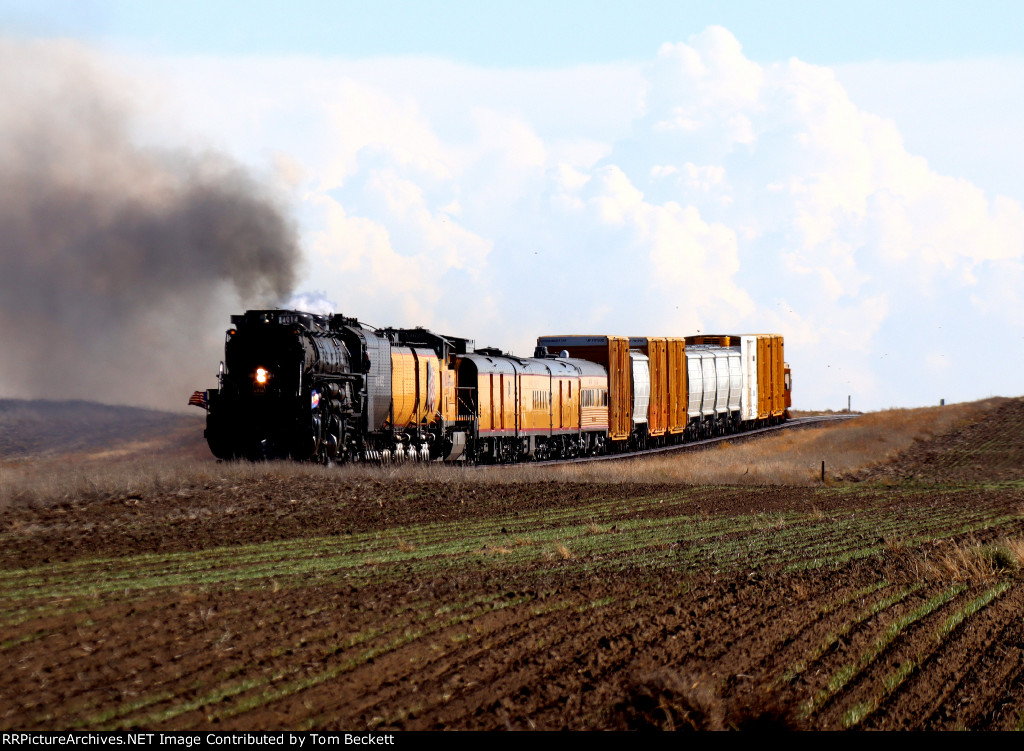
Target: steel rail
{"points": [[705, 443]]}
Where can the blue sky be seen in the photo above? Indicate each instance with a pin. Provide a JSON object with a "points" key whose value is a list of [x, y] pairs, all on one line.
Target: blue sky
{"points": [[850, 176], [531, 32]]}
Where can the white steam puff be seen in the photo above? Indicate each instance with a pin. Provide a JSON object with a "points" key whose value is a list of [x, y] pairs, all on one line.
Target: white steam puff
{"points": [[312, 302]]}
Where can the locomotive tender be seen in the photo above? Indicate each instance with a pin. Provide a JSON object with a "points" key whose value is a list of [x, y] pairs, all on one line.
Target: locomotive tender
{"points": [[330, 389]]}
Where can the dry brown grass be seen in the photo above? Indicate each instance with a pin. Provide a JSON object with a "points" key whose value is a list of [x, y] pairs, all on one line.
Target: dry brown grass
{"points": [[49, 481], [787, 458], [972, 561], [1015, 547], [57, 480], [496, 549], [816, 412]]}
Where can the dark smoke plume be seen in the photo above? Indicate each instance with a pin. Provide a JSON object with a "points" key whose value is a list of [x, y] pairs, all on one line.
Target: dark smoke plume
{"points": [[118, 263]]}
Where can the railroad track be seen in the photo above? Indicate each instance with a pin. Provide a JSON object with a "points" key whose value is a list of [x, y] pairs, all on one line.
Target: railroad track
{"points": [[705, 443]]}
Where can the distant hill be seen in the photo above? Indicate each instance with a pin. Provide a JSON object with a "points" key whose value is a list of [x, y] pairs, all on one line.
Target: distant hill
{"points": [[43, 428], [988, 448]]}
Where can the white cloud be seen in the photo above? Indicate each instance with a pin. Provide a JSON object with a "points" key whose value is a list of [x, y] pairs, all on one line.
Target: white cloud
{"points": [[701, 191]]}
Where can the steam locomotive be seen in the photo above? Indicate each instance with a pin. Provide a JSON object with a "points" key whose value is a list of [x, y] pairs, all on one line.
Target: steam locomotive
{"points": [[330, 389]]}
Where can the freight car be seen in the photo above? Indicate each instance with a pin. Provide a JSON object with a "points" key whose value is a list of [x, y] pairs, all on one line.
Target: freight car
{"points": [[666, 390], [330, 389]]}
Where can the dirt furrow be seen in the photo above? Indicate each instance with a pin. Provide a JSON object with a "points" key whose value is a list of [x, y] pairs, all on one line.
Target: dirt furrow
{"points": [[587, 678], [785, 658], [503, 672], [192, 644], [385, 664], [824, 677], [570, 685], [946, 664], [885, 674], [91, 662], [430, 674], [976, 701]]}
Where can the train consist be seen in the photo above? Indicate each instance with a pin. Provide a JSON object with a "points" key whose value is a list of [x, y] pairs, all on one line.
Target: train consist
{"points": [[329, 389]]}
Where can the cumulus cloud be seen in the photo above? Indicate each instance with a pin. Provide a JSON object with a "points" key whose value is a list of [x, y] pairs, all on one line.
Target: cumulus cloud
{"points": [[703, 191], [831, 211]]}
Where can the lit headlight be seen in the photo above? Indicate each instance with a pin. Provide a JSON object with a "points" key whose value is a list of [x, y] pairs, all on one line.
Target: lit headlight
{"points": [[261, 376]]}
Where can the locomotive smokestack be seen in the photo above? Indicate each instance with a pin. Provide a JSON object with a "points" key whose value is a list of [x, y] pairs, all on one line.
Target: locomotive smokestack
{"points": [[119, 263]]}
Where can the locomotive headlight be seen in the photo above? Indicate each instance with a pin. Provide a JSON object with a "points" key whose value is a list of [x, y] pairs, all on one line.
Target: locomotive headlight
{"points": [[262, 374]]}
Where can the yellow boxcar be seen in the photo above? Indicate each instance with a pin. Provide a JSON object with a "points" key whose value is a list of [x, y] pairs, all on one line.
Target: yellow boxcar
{"points": [[497, 401], [550, 401], [490, 401], [487, 391], [771, 376], [677, 396], [535, 403], [561, 408]]}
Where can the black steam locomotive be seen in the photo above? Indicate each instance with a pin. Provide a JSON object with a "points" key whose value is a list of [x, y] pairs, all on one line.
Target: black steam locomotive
{"points": [[320, 388]]}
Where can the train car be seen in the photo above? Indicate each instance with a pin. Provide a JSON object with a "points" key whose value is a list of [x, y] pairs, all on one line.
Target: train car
{"points": [[330, 389], [667, 416], [613, 354], [715, 377], [677, 389], [285, 389], [519, 409], [761, 370]]}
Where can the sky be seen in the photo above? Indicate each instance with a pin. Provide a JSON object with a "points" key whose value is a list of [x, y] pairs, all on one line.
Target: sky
{"points": [[851, 177]]}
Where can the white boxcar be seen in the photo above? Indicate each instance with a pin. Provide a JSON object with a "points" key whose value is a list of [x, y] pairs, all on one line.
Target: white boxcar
{"points": [[748, 357], [641, 386], [722, 381]]}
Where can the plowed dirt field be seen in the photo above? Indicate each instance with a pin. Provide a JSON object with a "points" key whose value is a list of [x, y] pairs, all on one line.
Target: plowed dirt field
{"points": [[283, 597]]}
